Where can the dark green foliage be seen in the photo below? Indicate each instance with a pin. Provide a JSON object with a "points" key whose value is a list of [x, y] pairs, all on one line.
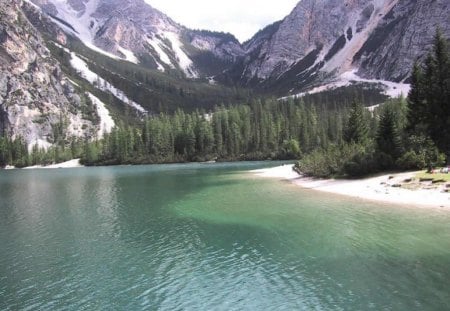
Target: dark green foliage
{"points": [[416, 104], [291, 149], [421, 153], [407, 135], [410, 160], [263, 129], [429, 99], [153, 90], [356, 129], [13, 152], [366, 94], [388, 136], [339, 160]]}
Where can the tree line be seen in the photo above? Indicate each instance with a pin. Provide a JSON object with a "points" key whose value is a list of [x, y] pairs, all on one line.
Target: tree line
{"points": [[262, 129], [16, 152]]}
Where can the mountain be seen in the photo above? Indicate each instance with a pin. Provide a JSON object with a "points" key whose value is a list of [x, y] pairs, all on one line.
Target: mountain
{"points": [[332, 41], [37, 101], [75, 68], [320, 42], [135, 31]]}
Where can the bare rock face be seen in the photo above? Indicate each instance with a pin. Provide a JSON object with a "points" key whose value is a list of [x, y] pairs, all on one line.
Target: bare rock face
{"points": [[34, 95], [312, 26], [378, 39], [403, 36], [135, 31]]}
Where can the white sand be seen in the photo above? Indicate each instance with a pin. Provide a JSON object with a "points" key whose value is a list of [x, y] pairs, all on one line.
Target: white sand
{"points": [[376, 188], [69, 164]]}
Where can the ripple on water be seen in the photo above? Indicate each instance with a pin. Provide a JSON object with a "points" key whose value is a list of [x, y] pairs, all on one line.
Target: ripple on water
{"points": [[198, 238]]}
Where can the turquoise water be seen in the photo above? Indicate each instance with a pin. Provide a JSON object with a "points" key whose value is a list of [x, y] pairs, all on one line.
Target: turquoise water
{"points": [[210, 237]]}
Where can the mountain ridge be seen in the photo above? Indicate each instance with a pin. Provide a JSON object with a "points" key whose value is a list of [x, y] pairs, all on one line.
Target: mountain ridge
{"points": [[133, 60], [316, 41]]}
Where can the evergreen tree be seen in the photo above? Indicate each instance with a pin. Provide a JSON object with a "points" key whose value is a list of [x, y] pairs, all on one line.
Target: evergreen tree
{"points": [[439, 101], [388, 138], [356, 129], [429, 98], [416, 106]]}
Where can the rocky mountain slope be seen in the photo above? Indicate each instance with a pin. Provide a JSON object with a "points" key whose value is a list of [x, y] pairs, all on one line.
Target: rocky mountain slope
{"points": [[76, 67], [135, 31], [37, 101], [319, 41], [323, 39]]}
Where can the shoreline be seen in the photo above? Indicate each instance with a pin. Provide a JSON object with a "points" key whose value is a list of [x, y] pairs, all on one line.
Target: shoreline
{"points": [[75, 163], [381, 188]]}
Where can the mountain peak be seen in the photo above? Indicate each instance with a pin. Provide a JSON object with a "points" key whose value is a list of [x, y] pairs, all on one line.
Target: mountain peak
{"points": [[321, 40], [134, 30]]}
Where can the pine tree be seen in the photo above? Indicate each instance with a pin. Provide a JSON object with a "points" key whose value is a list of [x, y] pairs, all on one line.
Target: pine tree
{"points": [[356, 129], [429, 98], [388, 137], [416, 106], [440, 98]]}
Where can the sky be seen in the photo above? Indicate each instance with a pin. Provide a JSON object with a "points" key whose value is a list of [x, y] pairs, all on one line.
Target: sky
{"points": [[242, 18]]}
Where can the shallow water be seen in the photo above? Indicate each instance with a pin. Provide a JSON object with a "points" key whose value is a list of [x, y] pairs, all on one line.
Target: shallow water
{"points": [[210, 237]]}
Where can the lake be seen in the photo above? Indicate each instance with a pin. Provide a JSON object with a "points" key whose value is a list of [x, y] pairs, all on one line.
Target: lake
{"points": [[211, 237]]}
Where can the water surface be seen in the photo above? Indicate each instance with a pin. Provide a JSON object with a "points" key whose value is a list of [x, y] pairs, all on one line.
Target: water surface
{"points": [[210, 237]]}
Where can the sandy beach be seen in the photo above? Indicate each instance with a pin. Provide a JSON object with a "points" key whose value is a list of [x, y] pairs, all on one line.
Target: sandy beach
{"points": [[69, 164], [382, 188]]}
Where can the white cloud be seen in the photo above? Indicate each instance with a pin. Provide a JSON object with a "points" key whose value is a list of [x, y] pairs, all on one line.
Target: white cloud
{"points": [[243, 18]]}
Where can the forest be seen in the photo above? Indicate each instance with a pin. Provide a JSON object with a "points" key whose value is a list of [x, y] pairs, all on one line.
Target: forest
{"points": [[411, 134], [331, 134]]}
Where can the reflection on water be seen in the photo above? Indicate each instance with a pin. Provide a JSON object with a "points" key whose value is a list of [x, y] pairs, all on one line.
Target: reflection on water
{"points": [[208, 237]]}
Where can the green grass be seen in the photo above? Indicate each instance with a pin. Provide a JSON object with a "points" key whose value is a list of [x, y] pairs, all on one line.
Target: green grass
{"points": [[424, 174]]}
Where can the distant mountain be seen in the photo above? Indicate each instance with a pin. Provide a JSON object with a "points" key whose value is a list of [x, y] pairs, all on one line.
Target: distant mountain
{"points": [[323, 39], [135, 31], [78, 67], [319, 41]]}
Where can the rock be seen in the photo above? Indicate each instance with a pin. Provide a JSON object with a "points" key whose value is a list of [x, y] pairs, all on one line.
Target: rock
{"points": [[438, 181], [130, 28], [322, 39], [426, 179], [31, 82]]}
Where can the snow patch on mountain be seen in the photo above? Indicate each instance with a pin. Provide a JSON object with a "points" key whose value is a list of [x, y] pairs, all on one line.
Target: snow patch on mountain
{"points": [[129, 56], [106, 121], [81, 66], [42, 144], [391, 89], [80, 21], [156, 44], [176, 46], [85, 26], [183, 59], [33, 5]]}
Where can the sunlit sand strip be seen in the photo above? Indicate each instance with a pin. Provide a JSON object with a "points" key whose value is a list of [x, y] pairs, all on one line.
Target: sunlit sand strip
{"points": [[69, 164], [376, 188]]}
